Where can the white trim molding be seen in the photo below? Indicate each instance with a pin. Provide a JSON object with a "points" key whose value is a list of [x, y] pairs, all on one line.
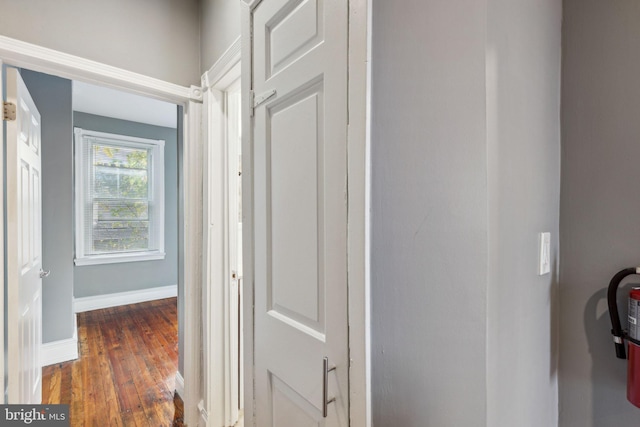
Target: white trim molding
{"points": [[193, 161], [97, 302], [179, 385], [119, 258], [204, 415], [62, 350], [85, 169], [358, 233], [42, 59], [3, 385], [247, 223], [221, 327], [251, 4], [221, 68]]}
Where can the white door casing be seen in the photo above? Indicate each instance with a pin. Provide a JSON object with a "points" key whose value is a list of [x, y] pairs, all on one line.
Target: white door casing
{"points": [[299, 212], [24, 245], [221, 342], [232, 108], [2, 260]]}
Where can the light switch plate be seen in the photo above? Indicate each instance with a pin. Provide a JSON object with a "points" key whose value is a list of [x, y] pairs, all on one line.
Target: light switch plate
{"points": [[544, 257]]}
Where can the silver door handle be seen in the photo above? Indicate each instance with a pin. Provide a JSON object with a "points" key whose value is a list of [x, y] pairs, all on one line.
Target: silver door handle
{"points": [[325, 385], [44, 274]]}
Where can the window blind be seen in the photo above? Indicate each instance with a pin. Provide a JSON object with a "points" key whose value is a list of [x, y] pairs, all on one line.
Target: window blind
{"points": [[118, 206]]}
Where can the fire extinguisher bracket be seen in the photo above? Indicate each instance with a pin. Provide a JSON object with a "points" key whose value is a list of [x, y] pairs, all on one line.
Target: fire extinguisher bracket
{"points": [[632, 335], [616, 325]]}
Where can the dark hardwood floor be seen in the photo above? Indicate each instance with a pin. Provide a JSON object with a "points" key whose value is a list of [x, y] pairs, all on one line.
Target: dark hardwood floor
{"points": [[125, 375]]}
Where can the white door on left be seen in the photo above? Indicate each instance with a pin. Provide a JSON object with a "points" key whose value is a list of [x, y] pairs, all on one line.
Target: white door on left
{"points": [[24, 244]]}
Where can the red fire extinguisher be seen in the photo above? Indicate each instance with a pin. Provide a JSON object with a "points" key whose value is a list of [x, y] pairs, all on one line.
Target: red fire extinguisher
{"points": [[632, 334]]}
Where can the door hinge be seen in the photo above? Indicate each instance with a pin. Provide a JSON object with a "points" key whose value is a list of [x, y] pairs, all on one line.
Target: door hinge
{"points": [[8, 112], [256, 101]]}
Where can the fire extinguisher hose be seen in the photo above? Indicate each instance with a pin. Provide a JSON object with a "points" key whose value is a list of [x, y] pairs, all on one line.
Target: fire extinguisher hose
{"points": [[617, 331]]}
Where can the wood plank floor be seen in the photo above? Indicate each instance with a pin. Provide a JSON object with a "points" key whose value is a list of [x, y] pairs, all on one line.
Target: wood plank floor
{"points": [[125, 375]]}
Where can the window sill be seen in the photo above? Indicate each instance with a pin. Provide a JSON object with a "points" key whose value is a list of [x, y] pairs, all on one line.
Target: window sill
{"points": [[118, 258]]}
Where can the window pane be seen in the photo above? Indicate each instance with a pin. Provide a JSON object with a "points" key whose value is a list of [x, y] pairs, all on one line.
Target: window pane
{"points": [[120, 217], [134, 184], [120, 172], [120, 225], [105, 182], [121, 157], [119, 209], [120, 182], [120, 236]]}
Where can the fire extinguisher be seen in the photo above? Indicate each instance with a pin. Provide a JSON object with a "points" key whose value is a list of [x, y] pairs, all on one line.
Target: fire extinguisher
{"points": [[632, 334]]}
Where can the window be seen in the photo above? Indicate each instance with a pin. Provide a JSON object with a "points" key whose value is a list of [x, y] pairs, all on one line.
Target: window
{"points": [[119, 198]]}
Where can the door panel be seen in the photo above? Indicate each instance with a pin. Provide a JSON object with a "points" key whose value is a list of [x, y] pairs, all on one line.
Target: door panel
{"points": [[24, 245], [25, 222], [296, 236], [300, 211], [290, 409], [292, 32]]}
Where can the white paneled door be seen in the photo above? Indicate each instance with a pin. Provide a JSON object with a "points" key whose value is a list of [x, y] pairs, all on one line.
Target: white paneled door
{"points": [[299, 69], [24, 244]]}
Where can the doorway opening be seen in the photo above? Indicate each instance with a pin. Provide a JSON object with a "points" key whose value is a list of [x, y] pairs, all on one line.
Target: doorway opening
{"points": [[109, 239], [18, 54]]}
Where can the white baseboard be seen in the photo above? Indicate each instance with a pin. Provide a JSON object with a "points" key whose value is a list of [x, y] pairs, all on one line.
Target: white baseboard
{"points": [[62, 350], [179, 385], [204, 416], [123, 298]]}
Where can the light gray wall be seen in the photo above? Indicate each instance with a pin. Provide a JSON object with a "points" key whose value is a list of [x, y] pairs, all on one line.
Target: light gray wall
{"points": [[111, 278], [429, 213], [52, 96], [158, 38], [219, 28], [600, 200], [523, 130], [465, 174]]}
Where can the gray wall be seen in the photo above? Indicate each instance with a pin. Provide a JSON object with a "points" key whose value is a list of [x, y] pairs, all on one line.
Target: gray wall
{"points": [[600, 201], [111, 278], [429, 213], [158, 38], [52, 96], [523, 130], [465, 174], [219, 28]]}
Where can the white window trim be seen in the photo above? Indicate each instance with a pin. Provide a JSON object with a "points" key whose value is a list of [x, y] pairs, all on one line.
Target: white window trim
{"points": [[83, 259]]}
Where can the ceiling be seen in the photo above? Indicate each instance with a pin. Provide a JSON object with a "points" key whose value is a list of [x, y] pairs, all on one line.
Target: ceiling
{"points": [[92, 99]]}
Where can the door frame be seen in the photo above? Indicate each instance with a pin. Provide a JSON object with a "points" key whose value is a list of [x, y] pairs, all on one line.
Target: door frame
{"points": [[358, 219], [37, 58], [219, 326], [2, 208]]}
